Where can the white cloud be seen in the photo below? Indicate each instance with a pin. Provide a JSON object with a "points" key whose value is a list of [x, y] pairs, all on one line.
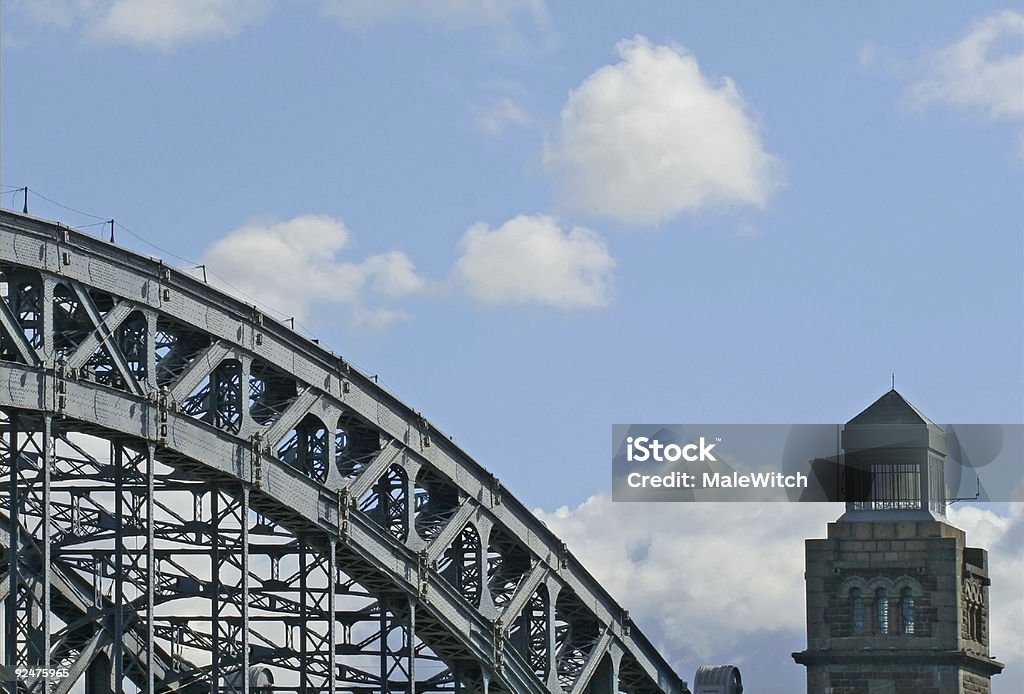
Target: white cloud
{"points": [[289, 266], [149, 23], [501, 114], [392, 275], [718, 570], [983, 72], [651, 137], [707, 580], [531, 259], [165, 23], [1003, 536], [362, 13], [868, 54]]}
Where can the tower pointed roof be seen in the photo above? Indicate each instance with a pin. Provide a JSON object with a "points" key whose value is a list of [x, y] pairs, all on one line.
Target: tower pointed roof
{"points": [[892, 409], [892, 421], [894, 459]]}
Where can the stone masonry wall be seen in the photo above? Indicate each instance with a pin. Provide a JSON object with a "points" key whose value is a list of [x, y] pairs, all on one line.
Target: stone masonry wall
{"points": [[975, 684], [925, 554]]}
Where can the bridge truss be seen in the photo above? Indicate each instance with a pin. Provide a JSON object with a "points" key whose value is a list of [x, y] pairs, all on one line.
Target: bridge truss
{"points": [[193, 498]]}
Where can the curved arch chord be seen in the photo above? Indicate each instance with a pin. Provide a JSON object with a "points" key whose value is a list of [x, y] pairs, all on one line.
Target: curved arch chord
{"points": [[265, 541]]}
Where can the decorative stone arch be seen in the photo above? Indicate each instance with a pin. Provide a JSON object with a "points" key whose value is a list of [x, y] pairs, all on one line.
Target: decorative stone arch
{"points": [[849, 584], [855, 598], [907, 583], [880, 582]]}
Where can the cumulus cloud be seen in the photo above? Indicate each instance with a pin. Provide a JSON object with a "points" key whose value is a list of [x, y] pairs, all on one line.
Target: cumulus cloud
{"points": [[983, 72], [363, 13], [720, 570], [717, 582], [1002, 534], [533, 260], [651, 137], [291, 265]]}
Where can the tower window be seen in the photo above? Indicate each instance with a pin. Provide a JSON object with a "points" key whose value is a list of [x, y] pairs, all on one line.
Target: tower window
{"points": [[881, 612], [857, 611], [936, 484], [907, 611], [895, 486]]}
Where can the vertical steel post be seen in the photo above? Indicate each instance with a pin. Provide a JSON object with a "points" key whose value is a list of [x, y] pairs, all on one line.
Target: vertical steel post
{"points": [[214, 535], [47, 538], [150, 567], [385, 687], [245, 588], [14, 581], [332, 606], [304, 679], [412, 645], [117, 647]]}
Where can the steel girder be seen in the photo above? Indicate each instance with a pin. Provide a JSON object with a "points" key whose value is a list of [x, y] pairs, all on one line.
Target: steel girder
{"points": [[196, 499]]}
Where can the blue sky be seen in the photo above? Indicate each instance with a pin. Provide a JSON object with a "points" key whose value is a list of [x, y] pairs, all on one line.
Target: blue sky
{"points": [[534, 219]]}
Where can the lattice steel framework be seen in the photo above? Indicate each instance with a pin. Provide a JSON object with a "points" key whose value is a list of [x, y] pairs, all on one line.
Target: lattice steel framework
{"points": [[177, 516]]}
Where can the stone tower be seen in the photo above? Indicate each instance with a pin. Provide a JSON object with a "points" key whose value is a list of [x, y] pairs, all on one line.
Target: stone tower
{"points": [[897, 603]]}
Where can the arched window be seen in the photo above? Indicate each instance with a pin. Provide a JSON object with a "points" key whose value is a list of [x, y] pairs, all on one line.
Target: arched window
{"points": [[857, 611], [907, 611], [881, 612]]}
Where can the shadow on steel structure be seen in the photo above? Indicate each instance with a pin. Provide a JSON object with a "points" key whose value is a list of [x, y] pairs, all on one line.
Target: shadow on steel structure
{"points": [[194, 498]]}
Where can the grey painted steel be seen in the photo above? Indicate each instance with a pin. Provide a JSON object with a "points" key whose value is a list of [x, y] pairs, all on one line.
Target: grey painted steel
{"points": [[77, 595], [11, 328], [718, 679], [243, 459]]}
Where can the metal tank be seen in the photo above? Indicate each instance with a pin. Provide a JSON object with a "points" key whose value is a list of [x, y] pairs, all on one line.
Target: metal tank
{"points": [[718, 679]]}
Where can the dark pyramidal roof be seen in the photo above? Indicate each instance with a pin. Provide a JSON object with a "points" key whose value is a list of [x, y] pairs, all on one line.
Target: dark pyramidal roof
{"points": [[892, 409]]}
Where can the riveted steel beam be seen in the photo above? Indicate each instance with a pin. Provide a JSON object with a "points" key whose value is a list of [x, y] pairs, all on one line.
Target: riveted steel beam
{"points": [[233, 458], [9, 324]]}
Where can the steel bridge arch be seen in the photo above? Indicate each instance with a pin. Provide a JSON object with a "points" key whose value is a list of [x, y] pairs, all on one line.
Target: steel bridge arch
{"points": [[336, 540]]}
